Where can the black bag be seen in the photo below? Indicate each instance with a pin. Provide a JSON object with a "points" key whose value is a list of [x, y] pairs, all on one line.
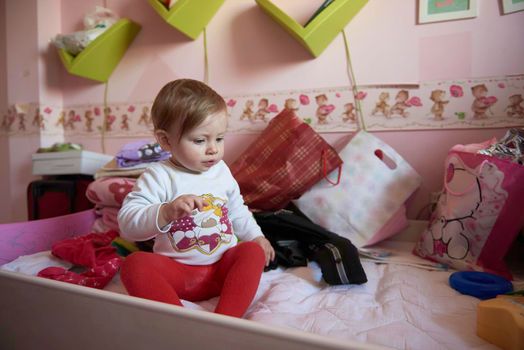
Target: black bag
{"points": [[295, 238]]}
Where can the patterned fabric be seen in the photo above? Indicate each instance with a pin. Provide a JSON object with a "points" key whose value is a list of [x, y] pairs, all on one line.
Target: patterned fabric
{"points": [[367, 206], [93, 251], [284, 161], [479, 213], [139, 152], [109, 191]]}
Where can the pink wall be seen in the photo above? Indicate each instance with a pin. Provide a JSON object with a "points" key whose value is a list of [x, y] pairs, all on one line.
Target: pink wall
{"points": [[28, 79], [4, 144], [19, 38], [249, 53]]}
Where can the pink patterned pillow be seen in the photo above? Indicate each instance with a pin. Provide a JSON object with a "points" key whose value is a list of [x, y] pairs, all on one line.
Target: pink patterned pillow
{"points": [[109, 191]]}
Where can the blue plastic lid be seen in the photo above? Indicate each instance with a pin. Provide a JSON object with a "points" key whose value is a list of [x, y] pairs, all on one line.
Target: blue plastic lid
{"points": [[481, 285]]}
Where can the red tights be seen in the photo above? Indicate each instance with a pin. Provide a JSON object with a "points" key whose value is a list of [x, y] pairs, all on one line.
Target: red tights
{"points": [[234, 277]]}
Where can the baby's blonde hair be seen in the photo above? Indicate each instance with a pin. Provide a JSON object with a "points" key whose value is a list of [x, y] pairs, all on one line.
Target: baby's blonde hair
{"points": [[183, 104]]}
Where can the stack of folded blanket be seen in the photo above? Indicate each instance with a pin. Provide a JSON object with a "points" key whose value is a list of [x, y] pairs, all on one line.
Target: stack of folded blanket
{"points": [[117, 178]]}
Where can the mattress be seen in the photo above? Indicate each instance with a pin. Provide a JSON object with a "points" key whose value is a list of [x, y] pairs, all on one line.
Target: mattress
{"points": [[403, 305]]}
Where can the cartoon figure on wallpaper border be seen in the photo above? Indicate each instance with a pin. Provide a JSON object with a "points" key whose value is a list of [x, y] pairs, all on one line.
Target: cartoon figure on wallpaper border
{"points": [[21, 121], [349, 114], [38, 119], [400, 106], [323, 109], [248, 111], [514, 108], [72, 118], [61, 119], [437, 96], [145, 117], [382, 105], [4, 122], [9, 119], [465, 217], [88, 117], [109, 119], [481, 103], [124, 124], [263, 109], [291, 104]]}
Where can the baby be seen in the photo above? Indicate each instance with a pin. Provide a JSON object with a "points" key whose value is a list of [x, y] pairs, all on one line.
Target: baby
{"points": [[191, 205]]}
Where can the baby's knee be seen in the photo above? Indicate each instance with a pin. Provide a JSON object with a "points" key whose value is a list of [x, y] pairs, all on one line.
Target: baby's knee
{"points": [[252, 250], [136, 257], [134, 262]]}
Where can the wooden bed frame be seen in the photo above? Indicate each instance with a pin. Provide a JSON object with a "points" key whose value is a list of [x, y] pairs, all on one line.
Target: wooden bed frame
{"points": [[38, 313]]}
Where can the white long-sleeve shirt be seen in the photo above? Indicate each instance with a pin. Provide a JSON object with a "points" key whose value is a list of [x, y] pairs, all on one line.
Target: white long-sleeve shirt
{"points": [[201, 237]]}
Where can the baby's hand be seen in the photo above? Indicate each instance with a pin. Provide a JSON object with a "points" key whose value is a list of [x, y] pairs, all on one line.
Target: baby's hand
{"points": [[268, 249], [179, 208]]}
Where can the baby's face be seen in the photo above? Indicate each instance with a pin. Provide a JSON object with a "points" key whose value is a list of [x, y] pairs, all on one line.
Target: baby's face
{"points": [[203, 147]]}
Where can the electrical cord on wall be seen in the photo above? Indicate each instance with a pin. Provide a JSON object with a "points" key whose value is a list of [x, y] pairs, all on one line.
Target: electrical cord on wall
{"points": [[106, 109], [206, 62], [104, 121], [352, 81]]}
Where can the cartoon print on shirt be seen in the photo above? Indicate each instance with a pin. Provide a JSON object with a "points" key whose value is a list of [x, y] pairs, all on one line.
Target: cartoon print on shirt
{"points": [[467, 211], [203, 230]]}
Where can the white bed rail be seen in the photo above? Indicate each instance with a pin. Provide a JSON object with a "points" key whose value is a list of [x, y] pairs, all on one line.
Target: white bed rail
{"points": [[37, 313]]}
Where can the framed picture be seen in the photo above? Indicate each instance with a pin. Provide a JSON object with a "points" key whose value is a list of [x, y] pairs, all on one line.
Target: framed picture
{"points": [[509, 6], [447, 10]]}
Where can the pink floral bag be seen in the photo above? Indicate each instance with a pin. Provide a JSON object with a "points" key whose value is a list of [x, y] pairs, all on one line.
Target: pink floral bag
{"points": [[478, 215]]}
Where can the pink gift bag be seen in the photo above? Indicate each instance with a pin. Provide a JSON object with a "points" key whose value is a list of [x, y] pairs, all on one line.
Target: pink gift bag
{"points": [[478, 215]]}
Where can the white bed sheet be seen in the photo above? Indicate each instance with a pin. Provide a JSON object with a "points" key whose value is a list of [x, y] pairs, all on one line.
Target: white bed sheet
{"points": [[400, 306]]}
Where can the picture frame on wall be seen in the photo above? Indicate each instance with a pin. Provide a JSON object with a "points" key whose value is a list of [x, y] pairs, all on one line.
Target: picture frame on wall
{"points": [[510, 6], [446, 10]]}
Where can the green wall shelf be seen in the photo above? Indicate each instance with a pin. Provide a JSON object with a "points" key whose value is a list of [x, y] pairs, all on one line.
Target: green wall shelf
{"points": [[188, 16], [98, 60], [321, 31]]}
